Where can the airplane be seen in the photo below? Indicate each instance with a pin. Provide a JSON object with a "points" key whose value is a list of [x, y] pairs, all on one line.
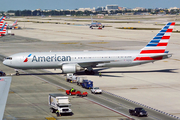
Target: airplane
{"points": [[3, 30], [5, 83], [72, 62], [12, 26], [2, 21], [96, 24]]}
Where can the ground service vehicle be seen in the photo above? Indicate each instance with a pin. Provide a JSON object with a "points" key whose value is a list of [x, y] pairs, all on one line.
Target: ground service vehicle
{"points": [[84, 94], [69, 92], [83, 83], [80, 80], [96, 90], [138, 112], [71, 78], [2, 73], [88, 84], [59, 102], [78, 93]]}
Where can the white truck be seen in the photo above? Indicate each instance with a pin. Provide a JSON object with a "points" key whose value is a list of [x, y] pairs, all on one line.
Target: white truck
{"points": [[80, 80], [96, 90], [70, 77], [59, 102]]}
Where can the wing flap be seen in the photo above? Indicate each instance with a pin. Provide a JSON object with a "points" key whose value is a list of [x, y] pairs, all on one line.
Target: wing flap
{"points": [[89, 63]]}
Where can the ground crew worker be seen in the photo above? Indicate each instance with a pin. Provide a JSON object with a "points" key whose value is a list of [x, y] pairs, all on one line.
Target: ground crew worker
{"points": [[72, 89], [57, 113], [100, 74]]}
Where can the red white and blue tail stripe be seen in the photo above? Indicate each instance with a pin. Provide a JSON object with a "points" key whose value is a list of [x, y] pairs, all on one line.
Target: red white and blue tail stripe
{"points": [[159, 42], [3, 30], [2, 21], [155, 49], [15, 23]]}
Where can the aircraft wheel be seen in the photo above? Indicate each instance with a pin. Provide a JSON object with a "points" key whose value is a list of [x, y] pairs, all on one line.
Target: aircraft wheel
{"points": [[92, 72], [17, 73]]}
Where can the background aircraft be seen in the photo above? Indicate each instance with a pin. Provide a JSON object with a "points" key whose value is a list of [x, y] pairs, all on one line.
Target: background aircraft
{"points": [[72, 62], [2, 21], [12, 26], [96, 24], [5, 83], [3, 30]]}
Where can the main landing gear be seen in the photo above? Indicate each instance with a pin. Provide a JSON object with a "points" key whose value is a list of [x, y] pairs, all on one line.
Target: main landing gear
{"points": [[89, 71]]}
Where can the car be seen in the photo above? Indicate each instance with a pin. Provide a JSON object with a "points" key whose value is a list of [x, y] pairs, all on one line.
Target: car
{"points": [[2, 73], [96, 90], [138, 112]]}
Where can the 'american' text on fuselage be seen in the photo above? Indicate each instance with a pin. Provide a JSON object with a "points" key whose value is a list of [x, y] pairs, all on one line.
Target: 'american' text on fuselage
{"points": [[50, 58]]}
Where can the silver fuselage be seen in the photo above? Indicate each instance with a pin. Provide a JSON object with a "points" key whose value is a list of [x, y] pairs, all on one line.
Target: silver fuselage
{"points": [[53, 60]]}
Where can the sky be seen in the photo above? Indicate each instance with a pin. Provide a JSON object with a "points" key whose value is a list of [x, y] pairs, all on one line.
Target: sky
{"points": [[73, 4]]}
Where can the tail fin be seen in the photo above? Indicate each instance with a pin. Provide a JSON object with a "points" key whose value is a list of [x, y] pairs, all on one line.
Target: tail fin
{"points": [[159, 42], [2, 21], [3, 29], [15, 23]]}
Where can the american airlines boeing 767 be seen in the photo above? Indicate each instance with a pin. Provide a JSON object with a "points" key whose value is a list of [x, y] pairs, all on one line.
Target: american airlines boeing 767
{"points": [[72, 62]]}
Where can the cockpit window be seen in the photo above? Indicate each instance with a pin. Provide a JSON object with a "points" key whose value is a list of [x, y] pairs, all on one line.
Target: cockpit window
{"points": [[8, 58]]}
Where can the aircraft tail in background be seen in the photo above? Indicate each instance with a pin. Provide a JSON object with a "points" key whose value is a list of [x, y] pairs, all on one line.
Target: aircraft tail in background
{"points": [[3, 30], [15, 23], [2, 21]]}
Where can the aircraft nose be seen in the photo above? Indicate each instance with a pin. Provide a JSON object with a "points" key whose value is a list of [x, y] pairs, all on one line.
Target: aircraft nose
{"points": [[5, 62]]}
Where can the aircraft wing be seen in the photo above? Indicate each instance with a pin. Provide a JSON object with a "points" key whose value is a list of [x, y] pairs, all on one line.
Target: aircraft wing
{"points": [[4, 90], [91, 63]]}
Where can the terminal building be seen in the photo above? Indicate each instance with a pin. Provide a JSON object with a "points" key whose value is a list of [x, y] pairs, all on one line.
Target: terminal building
{"points": [[100, 9], [112, 7]]}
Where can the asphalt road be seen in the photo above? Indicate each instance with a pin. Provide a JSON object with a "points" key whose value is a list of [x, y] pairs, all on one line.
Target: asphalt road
{"points": [[110, 101]]}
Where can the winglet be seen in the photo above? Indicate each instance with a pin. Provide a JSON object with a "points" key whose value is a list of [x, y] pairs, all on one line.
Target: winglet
{"points": [[5, 83]]}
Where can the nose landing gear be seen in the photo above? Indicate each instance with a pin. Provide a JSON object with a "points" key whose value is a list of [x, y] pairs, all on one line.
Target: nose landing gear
{"points": [[17, 72]]}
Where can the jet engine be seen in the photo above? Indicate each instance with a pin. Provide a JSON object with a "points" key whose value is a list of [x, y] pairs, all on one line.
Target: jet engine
{"points": [[71, 68]]}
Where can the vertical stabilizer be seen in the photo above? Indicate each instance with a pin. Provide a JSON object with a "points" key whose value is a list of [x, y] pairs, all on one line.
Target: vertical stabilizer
{"points": [[3, 30], [159, 43], [155, 49], [15, 23], [2, 21]]}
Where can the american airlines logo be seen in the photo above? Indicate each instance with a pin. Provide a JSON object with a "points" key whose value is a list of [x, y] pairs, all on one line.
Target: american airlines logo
{"points": [[50, 58], [27, 58]]}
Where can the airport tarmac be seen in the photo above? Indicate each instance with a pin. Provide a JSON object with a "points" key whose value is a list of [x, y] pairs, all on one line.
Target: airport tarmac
{"points": [[28, 99], [153, 84]]}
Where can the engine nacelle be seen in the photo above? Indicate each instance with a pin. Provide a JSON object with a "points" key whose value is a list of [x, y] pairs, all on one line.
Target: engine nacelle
{"points": [[71, 68]]}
